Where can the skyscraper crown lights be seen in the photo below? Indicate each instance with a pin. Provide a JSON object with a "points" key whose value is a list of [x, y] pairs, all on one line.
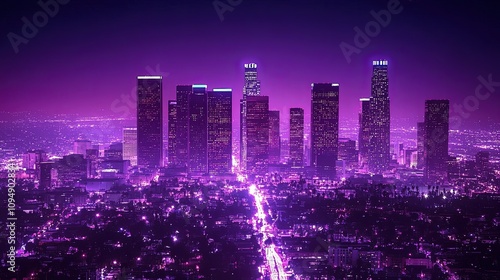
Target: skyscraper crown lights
{"points": [[380, 62]]}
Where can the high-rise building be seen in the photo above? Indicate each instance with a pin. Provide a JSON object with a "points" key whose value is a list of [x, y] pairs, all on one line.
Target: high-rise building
{"points": [[364, 132], [172, 133], [220, 131], [436, 139], [33, 158], [80, 146], [93, 161], [251, 88], [149, 121], [198, 120], [483, 164], [70, 169], [45, 174], [274, 137], [325, 128], [420, 144], [182, 123], [380, 127], [347, 151], [130, 145], [115, 151], [257, 131], [297, 137]]}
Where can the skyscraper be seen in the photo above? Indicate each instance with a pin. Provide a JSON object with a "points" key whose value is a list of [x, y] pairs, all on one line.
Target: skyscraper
{"points": [[324, 128], [379, 142], [297, 137], [33, 158], [420, 144], [436, 139], [251, 88], [347, 151], [182, 123], [45, 174], [364, 131], [198, 120], [257, 131], [172, 133], [274, 137], [149, 121], [220, 131], [483, 164], [130, 145]]}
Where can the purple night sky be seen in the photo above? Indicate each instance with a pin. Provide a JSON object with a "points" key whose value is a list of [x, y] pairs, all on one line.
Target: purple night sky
{"points": [[90, 52]]}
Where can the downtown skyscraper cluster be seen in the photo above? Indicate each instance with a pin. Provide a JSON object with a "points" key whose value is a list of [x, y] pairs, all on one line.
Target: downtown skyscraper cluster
{"points": [[200, 130]]}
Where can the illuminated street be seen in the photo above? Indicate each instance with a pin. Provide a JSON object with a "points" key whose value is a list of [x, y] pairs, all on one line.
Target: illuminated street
{"points": [[273, 259]]}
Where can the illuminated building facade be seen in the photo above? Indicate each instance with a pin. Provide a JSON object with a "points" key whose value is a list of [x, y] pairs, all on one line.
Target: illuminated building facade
{"points": [[251, 88], [149, 122], [436, 139], [274, 137], [220, 131], [257, 131], [379, 142], [297, 137], [324, 128], [197, 143]]}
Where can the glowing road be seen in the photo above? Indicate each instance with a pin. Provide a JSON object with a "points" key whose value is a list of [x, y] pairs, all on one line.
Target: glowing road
{"points": [[273, 259]]}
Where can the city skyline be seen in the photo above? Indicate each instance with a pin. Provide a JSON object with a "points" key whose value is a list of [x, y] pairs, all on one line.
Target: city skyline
{"points": [[250, 140], [414, 80]]}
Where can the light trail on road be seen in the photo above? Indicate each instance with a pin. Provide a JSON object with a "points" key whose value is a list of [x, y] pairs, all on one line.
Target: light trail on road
{"points": [[273, 259]]}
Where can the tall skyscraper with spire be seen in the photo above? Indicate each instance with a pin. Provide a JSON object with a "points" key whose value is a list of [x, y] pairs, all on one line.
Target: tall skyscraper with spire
{"points": [[380, 119], [251, 88], [324, 128], [149, 121]]}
